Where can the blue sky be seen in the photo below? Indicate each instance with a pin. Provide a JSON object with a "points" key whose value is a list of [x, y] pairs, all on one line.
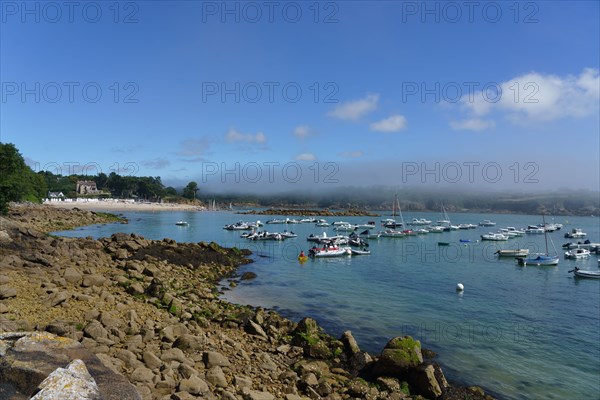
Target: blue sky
{"points": [[281, 95]]}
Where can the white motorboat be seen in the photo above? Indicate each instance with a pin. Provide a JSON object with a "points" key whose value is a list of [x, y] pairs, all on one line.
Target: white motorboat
{"points": [[515, 231], [322, 223], [420, 221], [182, 223], [575, 234], [494, 237], [436, 229], [344, 228], [534, 230], [330, 251], [392, 233], [513, 253], [487, 222], [276, 221], [582, 245], [577, 253], [325, 239], [238, 226], [368, 225], [509, 233]]}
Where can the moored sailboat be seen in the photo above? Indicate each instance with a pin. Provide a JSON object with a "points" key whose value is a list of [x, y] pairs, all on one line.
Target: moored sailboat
{"points": [[541, 259]]}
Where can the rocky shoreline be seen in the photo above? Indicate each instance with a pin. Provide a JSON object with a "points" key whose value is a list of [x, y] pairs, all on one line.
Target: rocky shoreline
{"points": [[149, 310]]}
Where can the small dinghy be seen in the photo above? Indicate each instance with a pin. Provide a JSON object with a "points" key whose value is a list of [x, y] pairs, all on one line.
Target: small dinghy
{"points": [[586, 274], [362, 252]]}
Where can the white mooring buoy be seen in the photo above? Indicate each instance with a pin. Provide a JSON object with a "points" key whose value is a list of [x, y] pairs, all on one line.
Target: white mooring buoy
{"points": [[460, 287]]}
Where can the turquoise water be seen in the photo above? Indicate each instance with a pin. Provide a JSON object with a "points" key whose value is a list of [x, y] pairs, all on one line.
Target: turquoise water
{"points": [[519, 332]]}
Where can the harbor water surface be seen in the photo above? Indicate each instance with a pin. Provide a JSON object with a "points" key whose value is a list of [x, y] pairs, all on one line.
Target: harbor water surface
{"points": [[519, 332]]}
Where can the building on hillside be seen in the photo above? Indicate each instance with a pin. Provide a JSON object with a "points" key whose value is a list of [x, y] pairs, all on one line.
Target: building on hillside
{"points": [[56, 195], [87, 188]]}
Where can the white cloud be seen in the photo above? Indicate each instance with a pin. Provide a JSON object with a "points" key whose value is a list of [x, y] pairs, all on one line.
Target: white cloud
{"points": [[233, 136], [302, 132], [353, 110], [472, 124], [306, 157], [352, 154], [390, 124], [537, 97]]}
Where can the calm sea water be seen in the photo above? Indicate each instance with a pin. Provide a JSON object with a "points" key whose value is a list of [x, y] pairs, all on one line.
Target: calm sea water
{"points": [[519, 332]]}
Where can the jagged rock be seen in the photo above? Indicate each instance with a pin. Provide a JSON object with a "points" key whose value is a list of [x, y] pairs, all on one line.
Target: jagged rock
{"points": [[121, 254], [128, 358], [29, 357], [216, 377], [57, 298], [6, 292], [151, 360], [183, 396], [173, 355], [135, 288], [256, 395], [193, 385], [359, 361], [389, 384], [215, 359], [255, 329], [425, 382], [242, 381], [72, 275], [60, 328], [95, 330], [71, 383], [350, 344], [190, 343], [93, 280], [142, 374]]}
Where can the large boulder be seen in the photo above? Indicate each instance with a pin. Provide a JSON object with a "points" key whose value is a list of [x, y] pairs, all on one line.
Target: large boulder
{"points": [[73, 382], [27, 358], [400, 355]]}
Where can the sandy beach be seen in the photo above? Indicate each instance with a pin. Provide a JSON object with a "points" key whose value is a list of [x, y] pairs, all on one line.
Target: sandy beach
{"points": [[115, 205]]}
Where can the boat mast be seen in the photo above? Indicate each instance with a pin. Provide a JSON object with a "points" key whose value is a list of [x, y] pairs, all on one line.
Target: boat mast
{"points": [[545, 234], [400, 211]]}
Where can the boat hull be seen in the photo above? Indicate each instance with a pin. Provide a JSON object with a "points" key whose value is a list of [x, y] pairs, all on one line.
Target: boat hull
{"points": [[587, 274]]}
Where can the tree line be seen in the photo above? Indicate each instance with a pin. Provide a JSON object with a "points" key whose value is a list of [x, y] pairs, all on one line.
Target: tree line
{"points": [[18, 182]]}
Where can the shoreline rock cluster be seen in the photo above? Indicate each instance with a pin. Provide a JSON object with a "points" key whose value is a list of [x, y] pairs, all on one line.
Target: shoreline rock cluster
{"points": [[149, 310]]}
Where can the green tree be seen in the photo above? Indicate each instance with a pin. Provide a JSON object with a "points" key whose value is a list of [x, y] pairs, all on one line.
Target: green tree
{"points": [[189, 192], [170, 191], [17, 181]]}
